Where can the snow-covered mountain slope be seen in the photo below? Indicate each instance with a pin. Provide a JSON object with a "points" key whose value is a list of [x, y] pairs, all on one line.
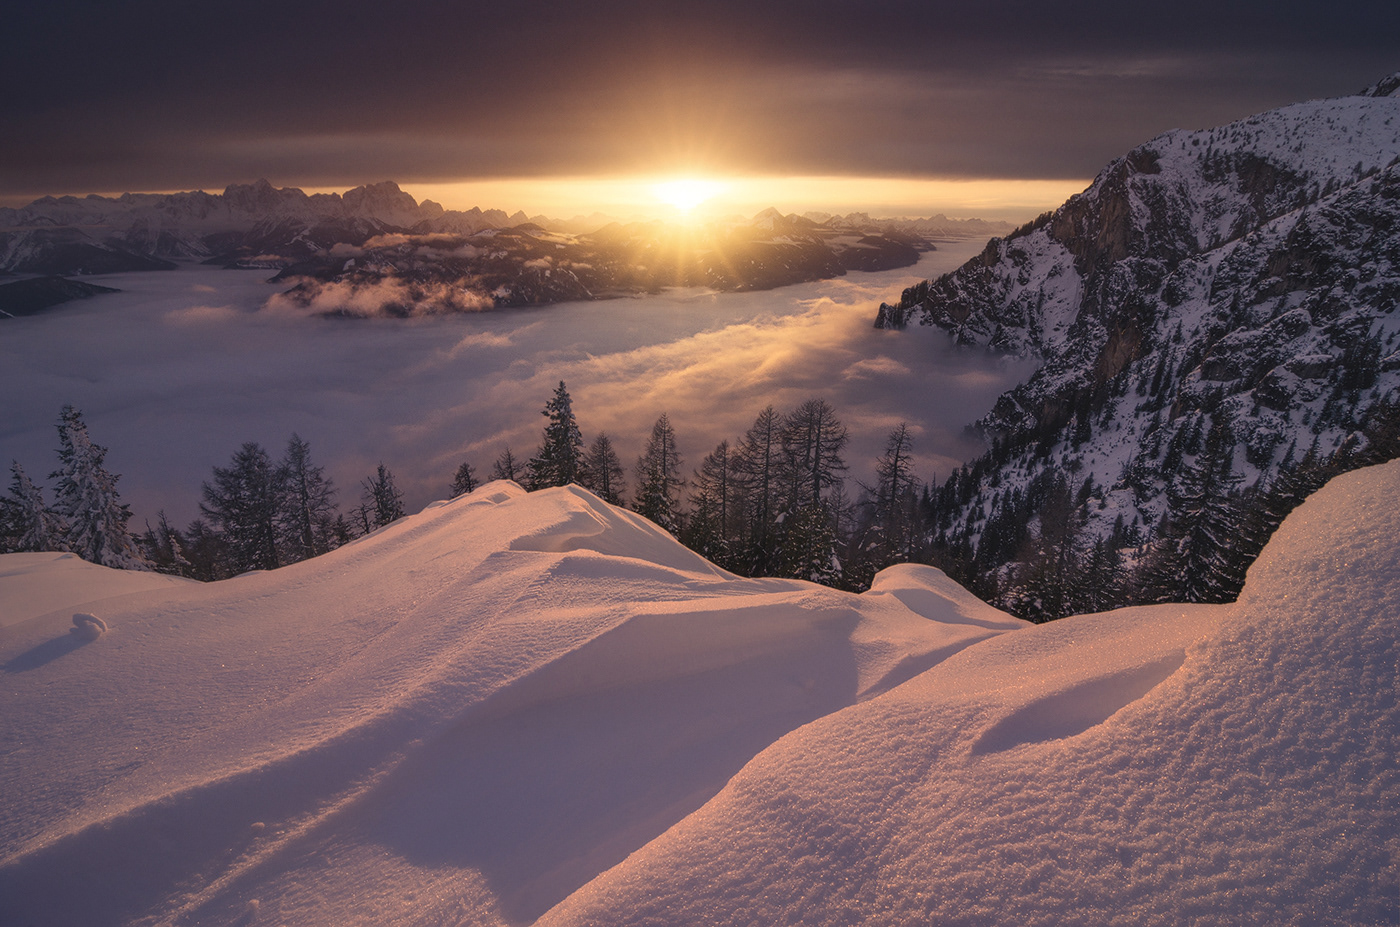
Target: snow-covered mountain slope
{"points": [[458, 719], [1243, 279], [514, 708], [1214, 764], [138, 231]]}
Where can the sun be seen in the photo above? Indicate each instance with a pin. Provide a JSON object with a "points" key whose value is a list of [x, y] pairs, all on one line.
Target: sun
{"points": [[686, 193]]}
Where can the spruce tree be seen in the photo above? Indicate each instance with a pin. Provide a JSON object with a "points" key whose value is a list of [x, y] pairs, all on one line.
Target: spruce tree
{"points": [[36, 527], [659, 477], [244, 502], [86, 498], [559, 461], [165, 548]]}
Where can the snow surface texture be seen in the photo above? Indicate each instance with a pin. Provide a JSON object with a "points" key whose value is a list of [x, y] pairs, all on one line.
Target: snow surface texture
{"points": [[465, 716], [1231, 764], [515, 708]]}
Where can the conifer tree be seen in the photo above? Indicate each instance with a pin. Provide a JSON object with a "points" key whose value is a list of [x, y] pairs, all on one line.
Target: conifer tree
{"points": [[36, 527], [382, 501], [207, 552], [86, 498], [895, 502], [244, 502], [757, 461], [165, 548], [813, 439], [559, 461], [464, 481], [659, 477], [602, 471], [507, 467], [712, 527], [307, 512]]}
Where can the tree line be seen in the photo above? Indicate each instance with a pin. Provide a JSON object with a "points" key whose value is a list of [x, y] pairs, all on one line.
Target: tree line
{"points": [[771, 502]]}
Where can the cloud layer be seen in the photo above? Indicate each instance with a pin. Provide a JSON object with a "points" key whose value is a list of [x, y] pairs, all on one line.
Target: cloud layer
{"points": [[173, 380]]}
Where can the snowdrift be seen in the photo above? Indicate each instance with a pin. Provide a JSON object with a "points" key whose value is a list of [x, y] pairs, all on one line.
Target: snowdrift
{"points": [[1231, 764], [462, 717], [518, 708]]}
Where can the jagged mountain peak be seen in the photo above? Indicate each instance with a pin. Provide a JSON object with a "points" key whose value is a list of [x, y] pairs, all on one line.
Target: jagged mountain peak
{"points": [[1384, 87], [1221, 298]]}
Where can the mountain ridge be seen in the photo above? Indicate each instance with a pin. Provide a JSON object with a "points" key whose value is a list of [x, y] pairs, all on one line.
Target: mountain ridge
{"points": [[1223, 299]]}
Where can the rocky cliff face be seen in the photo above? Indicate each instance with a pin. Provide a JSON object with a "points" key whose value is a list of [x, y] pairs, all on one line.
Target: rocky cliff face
{"points": [[1239, 282]]}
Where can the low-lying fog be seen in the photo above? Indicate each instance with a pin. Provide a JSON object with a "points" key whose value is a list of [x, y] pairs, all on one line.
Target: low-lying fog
{"points": [[179, 369]]}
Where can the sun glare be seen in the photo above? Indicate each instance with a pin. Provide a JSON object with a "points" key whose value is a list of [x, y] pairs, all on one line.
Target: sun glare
{"points": [[686, 193]]}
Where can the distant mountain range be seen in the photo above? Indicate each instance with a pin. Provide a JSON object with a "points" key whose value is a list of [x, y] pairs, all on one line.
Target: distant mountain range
{"points": [[1216, 315], [421, 258]]}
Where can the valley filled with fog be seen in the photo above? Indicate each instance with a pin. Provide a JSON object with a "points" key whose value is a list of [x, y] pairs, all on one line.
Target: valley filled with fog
{"points": [[179, 369]]}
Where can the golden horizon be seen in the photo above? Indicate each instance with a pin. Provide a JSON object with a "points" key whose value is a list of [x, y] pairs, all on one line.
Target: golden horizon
{"points": [[698, 195]]}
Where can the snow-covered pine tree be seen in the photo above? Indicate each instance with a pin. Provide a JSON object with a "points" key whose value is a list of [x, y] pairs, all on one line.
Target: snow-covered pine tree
{"points": [[165, 548], [559, 461], [659, 477], [86, 498], [36, 526]]}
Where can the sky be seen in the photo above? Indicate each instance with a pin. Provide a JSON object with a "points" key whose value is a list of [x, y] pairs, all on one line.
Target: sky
{"points": [[466, 100]]}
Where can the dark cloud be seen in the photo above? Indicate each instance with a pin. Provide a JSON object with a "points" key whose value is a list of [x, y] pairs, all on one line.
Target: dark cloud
{"points": [[157, 94]]}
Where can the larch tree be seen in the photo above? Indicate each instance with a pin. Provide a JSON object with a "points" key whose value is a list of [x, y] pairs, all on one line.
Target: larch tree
{"points": [[757, 465], [382, 501], [712, 529], [895, 516], [603, 472], [308, 511], [463, 481], [86, 498], [507, 467], [812, 465]]}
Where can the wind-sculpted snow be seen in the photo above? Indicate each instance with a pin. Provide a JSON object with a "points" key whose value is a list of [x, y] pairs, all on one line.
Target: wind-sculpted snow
{"points": [[462, 717], [535, 708], [1231, 764]]}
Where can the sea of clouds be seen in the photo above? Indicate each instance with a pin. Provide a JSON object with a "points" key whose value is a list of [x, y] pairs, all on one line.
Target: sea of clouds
{"points": [[181, 367]]}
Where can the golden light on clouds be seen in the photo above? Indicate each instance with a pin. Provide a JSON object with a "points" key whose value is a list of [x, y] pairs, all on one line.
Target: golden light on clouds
{"points": [[660, 196]]}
